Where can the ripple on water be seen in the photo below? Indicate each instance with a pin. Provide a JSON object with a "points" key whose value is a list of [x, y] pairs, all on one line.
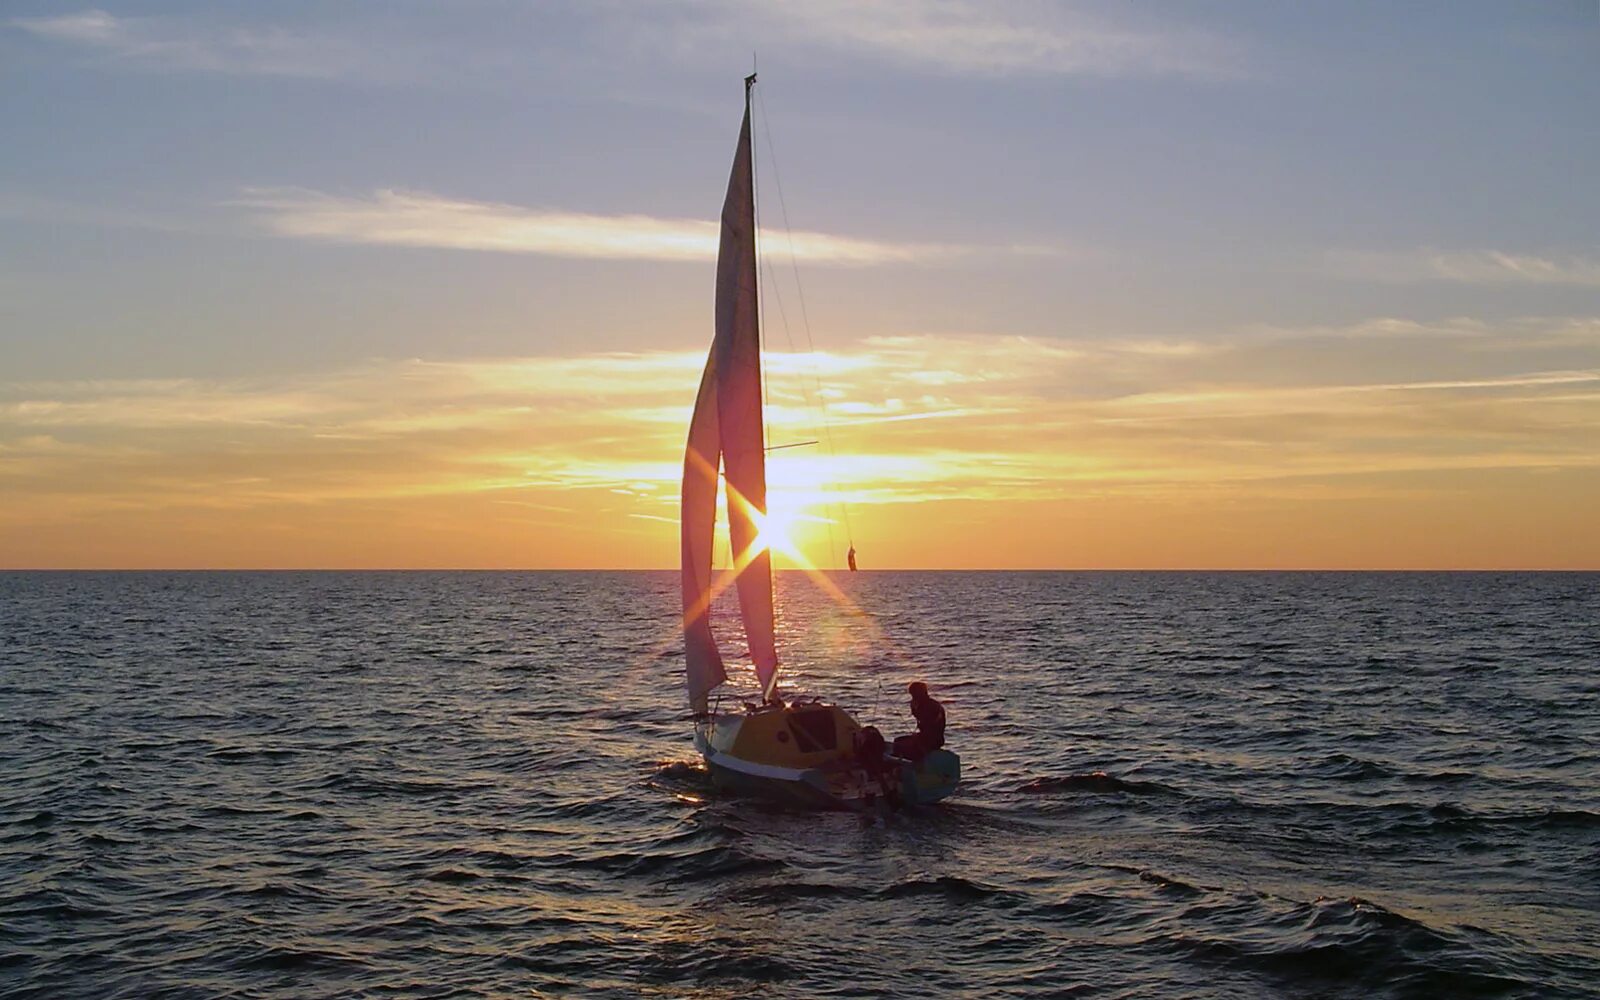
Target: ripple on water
{"points": [[437, 784]]}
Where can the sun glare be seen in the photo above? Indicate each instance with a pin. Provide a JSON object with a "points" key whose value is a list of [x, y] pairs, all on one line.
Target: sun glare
{"points": [[780, 529], [775, 532]]}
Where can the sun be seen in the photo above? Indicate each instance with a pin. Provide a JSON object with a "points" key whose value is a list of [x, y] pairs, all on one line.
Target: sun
{"points": [[775, 532], [778, 529]]}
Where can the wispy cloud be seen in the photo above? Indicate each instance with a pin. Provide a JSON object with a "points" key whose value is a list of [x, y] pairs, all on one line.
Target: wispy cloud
{"points": [[175, 43], [389, 218], [965, 37], [371, 464], [1479, 267], [418, 219], [956, 37], [1029, 418], [1300, 398], [90, 27]]}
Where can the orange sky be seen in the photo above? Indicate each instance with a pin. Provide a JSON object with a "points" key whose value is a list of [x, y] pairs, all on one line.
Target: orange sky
{"points": [[1275, 448], [1093, 285]]}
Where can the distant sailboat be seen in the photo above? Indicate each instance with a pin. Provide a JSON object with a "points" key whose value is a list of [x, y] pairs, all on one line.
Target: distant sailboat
{"points": [[807, 752]]}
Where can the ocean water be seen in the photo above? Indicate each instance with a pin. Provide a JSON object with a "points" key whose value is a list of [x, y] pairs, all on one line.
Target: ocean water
{"points": [[483, 785]]}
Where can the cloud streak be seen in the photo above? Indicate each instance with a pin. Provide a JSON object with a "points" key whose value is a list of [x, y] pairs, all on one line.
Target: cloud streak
{"points": [[1478, 267], [998, 38], [1060, 412], [457, 451], [419, 219], [170, 43], [995, 38]]}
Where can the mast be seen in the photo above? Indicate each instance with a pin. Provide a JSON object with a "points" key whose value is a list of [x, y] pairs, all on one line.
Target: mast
{"points": [[739, 403]]}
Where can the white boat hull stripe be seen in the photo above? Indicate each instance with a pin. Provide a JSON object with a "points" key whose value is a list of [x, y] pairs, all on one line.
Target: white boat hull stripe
{"points": [[733, 763]]}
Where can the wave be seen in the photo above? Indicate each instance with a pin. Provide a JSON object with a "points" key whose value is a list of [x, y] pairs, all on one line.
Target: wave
{"points": [[485, 857], [102, 840], [1169, 885], [27, 837], [281, 890], [718, 958], [44, 817], [538, 822], [454, 876], [779, 893], [712, 862], [688, 771], [1393, 818], [282, 958], [1455, 818], [1351, 944], [706, 863], [377, 786], [1095, 782], [949, 887], [226, 810], [239, 755], [1345, 767], [49, 904]]}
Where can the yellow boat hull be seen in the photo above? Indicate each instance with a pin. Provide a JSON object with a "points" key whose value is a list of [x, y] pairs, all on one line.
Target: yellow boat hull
{"points": [[803, 755]]}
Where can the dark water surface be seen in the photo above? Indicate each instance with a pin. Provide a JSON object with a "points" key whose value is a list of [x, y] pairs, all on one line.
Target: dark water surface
{"points": [[483, 785]]}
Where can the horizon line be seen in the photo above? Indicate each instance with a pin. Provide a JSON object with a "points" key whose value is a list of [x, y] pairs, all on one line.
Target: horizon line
{"points": [[796, 569]]}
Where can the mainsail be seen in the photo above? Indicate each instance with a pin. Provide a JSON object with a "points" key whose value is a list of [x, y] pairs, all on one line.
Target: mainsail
{"points": [[726, 428]]}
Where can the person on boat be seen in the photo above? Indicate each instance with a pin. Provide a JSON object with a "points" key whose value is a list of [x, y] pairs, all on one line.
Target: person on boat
{"points": [[930, 725], [870, 751]]}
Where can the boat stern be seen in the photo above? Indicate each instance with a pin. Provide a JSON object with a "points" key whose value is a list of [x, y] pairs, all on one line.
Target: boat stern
{"points": [[932, 778]]}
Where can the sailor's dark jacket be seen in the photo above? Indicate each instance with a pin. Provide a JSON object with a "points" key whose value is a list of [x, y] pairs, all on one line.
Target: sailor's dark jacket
{"points": [[930, 721]]}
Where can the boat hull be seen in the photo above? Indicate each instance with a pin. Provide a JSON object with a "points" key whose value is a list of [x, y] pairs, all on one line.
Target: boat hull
{"points": [[803, 790], [837, 783], [930, 779]]}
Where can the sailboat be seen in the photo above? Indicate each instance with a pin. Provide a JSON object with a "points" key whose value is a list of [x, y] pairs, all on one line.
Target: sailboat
{"points": [[805, 752]]}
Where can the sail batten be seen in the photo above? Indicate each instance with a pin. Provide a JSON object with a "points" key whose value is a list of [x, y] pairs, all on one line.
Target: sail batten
{"points": [[727, 426]]}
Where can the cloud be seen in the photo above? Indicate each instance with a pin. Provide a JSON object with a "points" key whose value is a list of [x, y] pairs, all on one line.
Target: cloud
{"points": [[579, 457], [418, 219], [171, 43], [969, 38], [90, 27], [1300, 398], [1031, 417], [958, 37], [1478, 267]]}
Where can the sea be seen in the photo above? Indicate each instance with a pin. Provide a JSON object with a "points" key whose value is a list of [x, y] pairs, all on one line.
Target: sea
{"points": [[465, 784]]}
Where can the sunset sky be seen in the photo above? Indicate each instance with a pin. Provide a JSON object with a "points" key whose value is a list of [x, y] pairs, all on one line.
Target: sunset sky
{"points": [[1109, 285]]}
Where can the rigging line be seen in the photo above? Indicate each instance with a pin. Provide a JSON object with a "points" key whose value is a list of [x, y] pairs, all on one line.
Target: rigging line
{"points": [[805, 318], [783, 314], [827, 429]]}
